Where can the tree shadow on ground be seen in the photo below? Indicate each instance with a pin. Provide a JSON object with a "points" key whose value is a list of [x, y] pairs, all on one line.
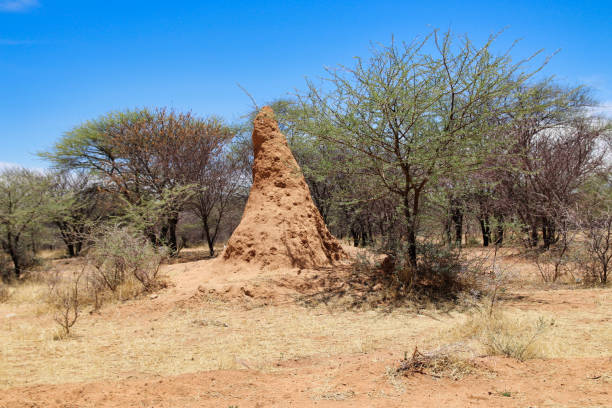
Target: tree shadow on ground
{"points": [[352, 288]]}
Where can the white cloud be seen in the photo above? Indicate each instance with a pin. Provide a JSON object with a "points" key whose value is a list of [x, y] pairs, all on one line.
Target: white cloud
{"points": [[17, 6], [6, 165], [9, 165], [604, 109]]}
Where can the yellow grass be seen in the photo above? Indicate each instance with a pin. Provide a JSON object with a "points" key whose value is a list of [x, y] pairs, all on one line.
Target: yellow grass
{"points": [[566, 334], [51, 253], [125, 341], [194, 340]]}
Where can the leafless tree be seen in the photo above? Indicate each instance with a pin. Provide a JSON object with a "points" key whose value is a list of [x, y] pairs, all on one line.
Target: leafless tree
{"points": [[217, 187]]}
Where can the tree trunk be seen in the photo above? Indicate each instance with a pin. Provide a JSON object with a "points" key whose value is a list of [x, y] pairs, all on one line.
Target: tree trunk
{"points": [[533, 238], [16, 262], [457, 218], [499, 231], [447, 232], [210, 239], [364, 238], [548, 233], [411, 226], [485, 228], [171, 233], [355, 236]]}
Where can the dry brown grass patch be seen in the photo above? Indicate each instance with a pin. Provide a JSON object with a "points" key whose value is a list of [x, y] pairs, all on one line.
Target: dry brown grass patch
{"points": [[5, 293], [122, 344], [511, 333], [448, 362]]}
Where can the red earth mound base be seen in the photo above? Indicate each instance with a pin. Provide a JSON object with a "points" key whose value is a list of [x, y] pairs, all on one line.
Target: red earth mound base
{"points": [[281, 227]]}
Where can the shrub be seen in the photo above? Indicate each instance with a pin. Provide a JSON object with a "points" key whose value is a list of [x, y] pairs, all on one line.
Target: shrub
{"points": [[501, 334], [118, 254], [64, 297], [439, 268]]}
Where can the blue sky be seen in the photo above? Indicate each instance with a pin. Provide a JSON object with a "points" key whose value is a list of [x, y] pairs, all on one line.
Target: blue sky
{"points": [[63, 62]]}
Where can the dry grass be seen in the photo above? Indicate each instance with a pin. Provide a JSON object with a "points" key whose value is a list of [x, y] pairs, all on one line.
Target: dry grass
{"points": [[5, 293], [450, 362], [49, 254], [514, 335], [119, 346], [139, 338], [566, 333]]}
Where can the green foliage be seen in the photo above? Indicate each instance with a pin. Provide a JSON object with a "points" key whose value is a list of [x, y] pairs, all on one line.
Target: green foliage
{"points": [[82, 205], [118, 254], [25, 204], [89, 145], [146, 156], [150, 213], [411, 118], [439, 267]]}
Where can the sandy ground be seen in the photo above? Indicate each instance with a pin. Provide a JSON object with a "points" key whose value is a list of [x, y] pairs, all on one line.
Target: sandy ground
{"points": [[221, 337], [342, 381]]}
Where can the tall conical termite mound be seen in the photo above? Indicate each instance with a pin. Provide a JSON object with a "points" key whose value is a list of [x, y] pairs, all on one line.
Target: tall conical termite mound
{"points": [[281, 227]]}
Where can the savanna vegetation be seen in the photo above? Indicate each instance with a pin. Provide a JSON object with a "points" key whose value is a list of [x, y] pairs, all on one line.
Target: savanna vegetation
{"points": [[438, 143], [424, 155]]}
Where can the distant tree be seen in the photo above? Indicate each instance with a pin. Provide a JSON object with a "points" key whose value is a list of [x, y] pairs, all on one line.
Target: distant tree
{"points": [[145, 153], [216, 189], [25, 202], [553, 148], [82, 205], [593, 216], [412, 118]]}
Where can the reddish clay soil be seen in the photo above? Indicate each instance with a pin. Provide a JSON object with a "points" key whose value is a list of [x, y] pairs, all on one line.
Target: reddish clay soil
{"points": [[350, 381], [281, 227]]}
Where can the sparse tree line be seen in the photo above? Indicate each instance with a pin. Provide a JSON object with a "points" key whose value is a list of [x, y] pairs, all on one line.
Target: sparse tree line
{"points": [[405, 152]]}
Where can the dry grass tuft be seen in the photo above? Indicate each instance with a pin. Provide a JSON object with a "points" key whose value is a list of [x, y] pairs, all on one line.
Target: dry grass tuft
{"points": [[5, 293], [517, 335]]}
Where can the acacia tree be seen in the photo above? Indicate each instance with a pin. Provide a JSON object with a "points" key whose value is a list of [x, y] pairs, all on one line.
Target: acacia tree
{"points": [[552, 151], [413, 118], [24, 203], [143, 154], [594, 219], [81, 203]]}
